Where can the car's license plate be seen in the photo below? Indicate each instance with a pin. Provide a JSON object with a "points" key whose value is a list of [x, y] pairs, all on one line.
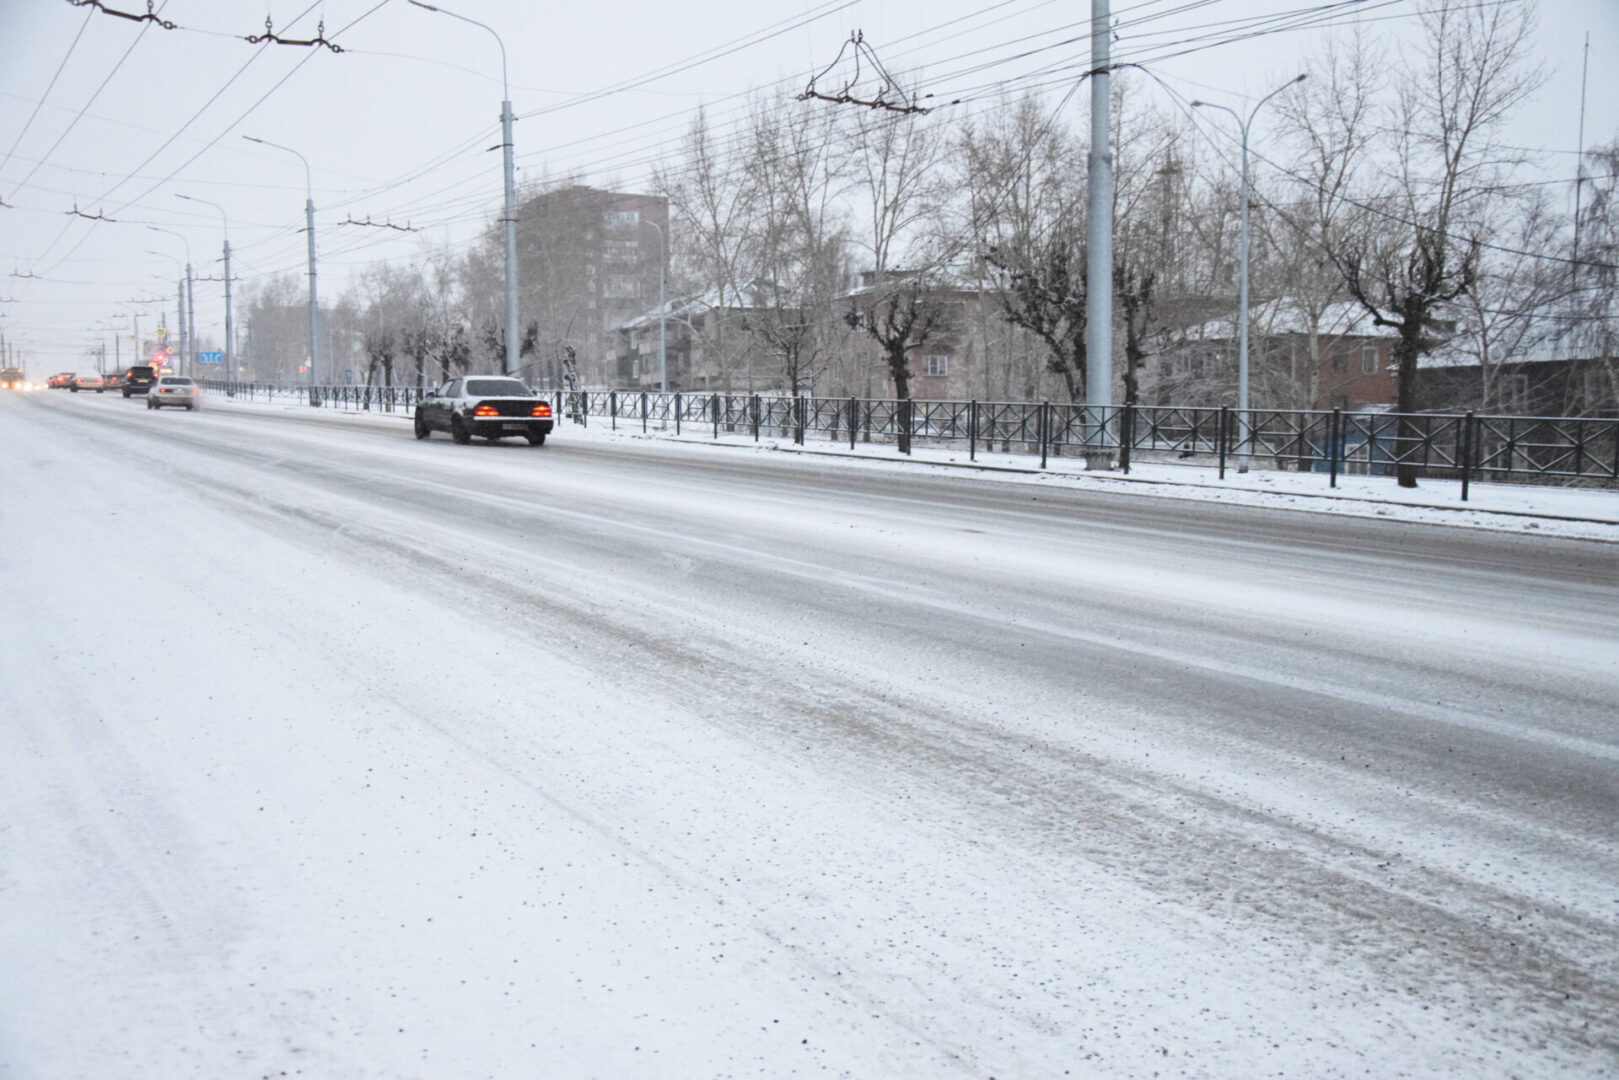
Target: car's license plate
{"points": [[513, 427]]}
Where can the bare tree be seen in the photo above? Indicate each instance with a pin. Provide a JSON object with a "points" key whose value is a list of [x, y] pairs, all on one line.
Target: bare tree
{"points": [[714, 202], [1449, 169]]}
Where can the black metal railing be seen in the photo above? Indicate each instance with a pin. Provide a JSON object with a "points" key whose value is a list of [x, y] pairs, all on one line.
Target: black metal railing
{"points": [[1462, 446]]}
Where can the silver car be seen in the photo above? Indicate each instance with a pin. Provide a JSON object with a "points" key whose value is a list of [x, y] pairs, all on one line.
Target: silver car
{"points": [[174, 390]]}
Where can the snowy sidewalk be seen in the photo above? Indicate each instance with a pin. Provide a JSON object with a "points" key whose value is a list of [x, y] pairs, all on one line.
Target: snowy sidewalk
{"points": [[1585, 513]]}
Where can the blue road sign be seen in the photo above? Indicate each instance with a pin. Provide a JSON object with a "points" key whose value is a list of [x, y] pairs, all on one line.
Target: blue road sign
{"points": [[210, 358]]}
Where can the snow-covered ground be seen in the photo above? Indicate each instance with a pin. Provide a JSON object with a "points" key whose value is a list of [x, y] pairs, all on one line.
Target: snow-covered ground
{"points": [[337, 754]]}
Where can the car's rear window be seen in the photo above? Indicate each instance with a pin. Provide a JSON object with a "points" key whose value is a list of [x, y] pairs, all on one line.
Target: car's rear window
{"points": [[497, 388], [175, 380]]}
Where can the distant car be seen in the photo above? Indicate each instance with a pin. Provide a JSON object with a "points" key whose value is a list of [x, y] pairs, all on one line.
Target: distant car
{"points": [[62, 380], [174, 390], [113, 380], [13, 379], [88, 382], [488, 406], [138, 379]]}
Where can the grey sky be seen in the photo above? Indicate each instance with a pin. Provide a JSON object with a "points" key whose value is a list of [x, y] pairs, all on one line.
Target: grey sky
{"points": [[399, 127]]}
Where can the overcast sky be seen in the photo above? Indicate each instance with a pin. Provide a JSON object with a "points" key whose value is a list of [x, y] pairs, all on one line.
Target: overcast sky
{"points": [[400, 126]]}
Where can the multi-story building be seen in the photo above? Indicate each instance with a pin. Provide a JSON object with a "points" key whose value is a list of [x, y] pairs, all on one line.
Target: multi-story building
{"points": [[589, 261]]}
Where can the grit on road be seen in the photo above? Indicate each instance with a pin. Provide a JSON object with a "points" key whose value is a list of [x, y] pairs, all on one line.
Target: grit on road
{"points": [[338, 753]]}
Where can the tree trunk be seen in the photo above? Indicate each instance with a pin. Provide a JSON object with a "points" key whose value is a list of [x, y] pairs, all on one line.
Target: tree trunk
{"points": [[1406, 352]]}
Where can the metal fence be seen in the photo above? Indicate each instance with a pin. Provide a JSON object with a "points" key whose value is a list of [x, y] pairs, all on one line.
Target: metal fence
{"points": [[1465, 447]]}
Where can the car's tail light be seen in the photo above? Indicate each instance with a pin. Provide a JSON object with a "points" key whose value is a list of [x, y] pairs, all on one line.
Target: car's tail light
{"points": [[541, 409], [486, 410], [196, 389]]}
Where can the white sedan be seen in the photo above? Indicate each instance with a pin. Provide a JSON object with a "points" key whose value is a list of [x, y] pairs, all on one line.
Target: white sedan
{"points": [[174, 390]]}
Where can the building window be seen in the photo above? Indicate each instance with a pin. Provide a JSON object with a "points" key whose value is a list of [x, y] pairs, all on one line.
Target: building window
{"points": [[619, 287], [1515, 393], [621, 250], [1340, 360], [936, 365], [1368, 359], [621, 219]]}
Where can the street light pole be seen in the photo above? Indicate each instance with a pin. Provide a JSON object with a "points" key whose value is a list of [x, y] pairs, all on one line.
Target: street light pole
{"points": [[230, 337], [513, 337], [309, 221], [179, 291], [1242, 249], [663, 314]]}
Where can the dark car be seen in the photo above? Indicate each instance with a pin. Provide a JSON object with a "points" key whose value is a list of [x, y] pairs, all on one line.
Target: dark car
{"points": [[62, 380], [488, 406], [138, 379]]}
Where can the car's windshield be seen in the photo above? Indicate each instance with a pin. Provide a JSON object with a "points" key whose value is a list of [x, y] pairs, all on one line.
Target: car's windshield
{"points": [[497, 388]]}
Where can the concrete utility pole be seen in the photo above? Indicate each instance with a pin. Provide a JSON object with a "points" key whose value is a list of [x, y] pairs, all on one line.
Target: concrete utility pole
{"points": [[230, 337], [309, 222], [1099, 252], [186, 302], [1243, 426], [514, 340], [663, 363]]}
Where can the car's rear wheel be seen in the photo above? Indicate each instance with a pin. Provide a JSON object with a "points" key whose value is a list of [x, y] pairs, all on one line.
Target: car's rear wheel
{"points": [[126, 393], [150, 404], [459, 432], [422, 430], [536, 438]]}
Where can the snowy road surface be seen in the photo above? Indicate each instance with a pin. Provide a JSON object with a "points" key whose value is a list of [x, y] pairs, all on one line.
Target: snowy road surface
{"points": [[333, 754]]}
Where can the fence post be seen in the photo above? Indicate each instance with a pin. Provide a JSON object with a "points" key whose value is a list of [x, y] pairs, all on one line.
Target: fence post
{"points": [[972, 430], [643, 411], [677, 413], [1467, 452], [798, 417], [753, 408], [612, 407], [714, 407], [1220, 436], [854, 419]]}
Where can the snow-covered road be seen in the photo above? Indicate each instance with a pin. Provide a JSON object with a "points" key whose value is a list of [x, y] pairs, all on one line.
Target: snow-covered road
{"points": [[335, 753]]}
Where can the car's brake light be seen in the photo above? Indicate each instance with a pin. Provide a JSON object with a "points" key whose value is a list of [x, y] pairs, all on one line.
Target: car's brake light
{"points": [[486, 410], [541, 409]]}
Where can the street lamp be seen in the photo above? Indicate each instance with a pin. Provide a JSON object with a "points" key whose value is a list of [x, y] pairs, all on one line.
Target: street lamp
{"points": [[663, 314], [230, 338], [309, 220], [1242, 300], [188, 321], [513, 338], [180, 293]]}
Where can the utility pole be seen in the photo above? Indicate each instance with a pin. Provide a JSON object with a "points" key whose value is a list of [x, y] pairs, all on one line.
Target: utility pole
{"points": [[514, 355], [1243, 422], [1099, 251], [309, 223], [230, 338], [663, 363], [180, 317], [191, 316]]}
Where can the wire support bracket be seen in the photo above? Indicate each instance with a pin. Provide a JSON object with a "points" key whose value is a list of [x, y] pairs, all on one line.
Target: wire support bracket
{"points": [[407, 227], [269, 37], [150, 15], [890, 96]]}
